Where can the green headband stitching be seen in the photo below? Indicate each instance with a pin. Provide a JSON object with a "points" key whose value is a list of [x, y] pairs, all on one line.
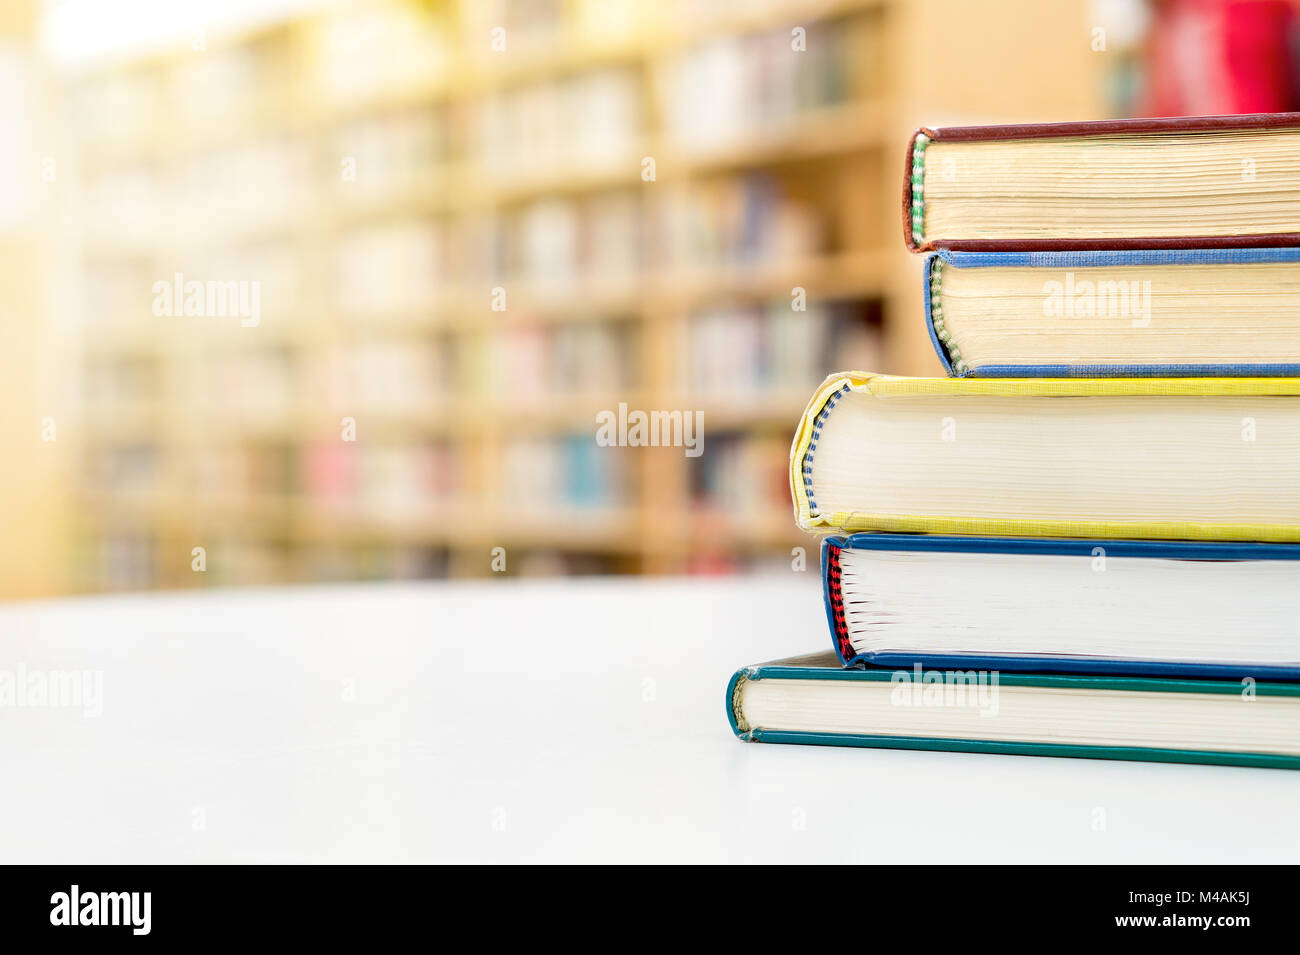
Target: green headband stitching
{"points": [[918, 187]]}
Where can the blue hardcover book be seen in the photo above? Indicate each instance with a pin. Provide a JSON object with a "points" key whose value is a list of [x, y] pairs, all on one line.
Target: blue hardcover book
{"points": [[811, 699], [1158, 313], [1158, 608]]}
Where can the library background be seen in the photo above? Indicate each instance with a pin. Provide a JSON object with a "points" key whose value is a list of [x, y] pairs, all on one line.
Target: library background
{"points": [[443, 237]]}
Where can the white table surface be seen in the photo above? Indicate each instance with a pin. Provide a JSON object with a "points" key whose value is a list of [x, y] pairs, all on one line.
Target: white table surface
{"points": [[500, 721]]}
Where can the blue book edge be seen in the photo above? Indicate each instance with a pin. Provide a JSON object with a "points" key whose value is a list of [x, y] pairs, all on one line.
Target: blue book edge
{"points": [[1083, 260], [1025, 663]]}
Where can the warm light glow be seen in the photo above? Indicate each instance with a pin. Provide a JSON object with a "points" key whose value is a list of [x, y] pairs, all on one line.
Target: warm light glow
{"points": [[76, 31]]}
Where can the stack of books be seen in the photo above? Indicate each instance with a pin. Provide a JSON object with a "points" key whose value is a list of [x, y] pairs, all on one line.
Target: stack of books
{"points": [[1086, 541]]}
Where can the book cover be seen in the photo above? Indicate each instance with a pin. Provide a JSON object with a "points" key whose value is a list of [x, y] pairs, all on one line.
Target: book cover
{"points": [[813, 700], [1144, 178], [1124, 595], [1226, 329], [1164, 458]]}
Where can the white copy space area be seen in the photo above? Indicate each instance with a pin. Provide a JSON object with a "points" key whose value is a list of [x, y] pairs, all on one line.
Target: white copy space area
{"points": [[556, 721]]}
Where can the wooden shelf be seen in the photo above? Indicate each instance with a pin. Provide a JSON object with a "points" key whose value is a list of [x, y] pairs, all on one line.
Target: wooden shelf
{"points": [[656, 526], [825, 132], [661, 34]]}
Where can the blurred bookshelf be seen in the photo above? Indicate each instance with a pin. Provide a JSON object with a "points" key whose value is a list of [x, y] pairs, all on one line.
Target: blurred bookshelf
{"points": [[387, 177]]}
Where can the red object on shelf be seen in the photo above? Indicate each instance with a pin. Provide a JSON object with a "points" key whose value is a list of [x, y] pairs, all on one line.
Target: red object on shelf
{"points": [[1214, 57]]}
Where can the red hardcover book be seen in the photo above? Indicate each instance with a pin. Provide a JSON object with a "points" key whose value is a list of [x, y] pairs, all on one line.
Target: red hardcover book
{"points": [[1179, 182]]}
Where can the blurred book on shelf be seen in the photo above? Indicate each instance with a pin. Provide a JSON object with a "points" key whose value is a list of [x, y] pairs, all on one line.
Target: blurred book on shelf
{"points": [[748, 352], [471, 228]]}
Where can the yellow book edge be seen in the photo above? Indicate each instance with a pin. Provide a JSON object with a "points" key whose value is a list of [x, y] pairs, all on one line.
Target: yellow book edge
{"points": [[888, 386]]}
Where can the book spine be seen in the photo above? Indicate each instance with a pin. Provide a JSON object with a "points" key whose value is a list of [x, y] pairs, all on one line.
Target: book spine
{"points": [[914, 190], [832, 581], [932, 289], [735, 712]]}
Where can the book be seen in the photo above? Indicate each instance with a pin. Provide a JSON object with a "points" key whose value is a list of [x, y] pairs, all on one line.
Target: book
{"points": [[1161, 608], [1211, 312], [1168, 458], [812, 699], [1179, 182]]}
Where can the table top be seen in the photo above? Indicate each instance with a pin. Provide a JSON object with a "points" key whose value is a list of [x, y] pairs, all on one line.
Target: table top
{"points": [[504, 721]]}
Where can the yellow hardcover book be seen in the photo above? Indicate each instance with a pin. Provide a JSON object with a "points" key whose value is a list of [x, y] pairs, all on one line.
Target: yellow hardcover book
{"points": [[1171, 458]]}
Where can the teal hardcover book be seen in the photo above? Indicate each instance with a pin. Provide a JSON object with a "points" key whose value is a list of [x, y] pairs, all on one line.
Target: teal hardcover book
{"points": [[813, 699]]}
